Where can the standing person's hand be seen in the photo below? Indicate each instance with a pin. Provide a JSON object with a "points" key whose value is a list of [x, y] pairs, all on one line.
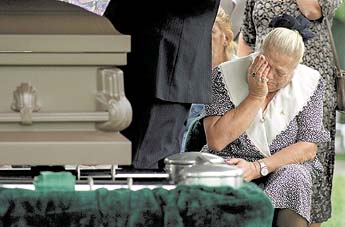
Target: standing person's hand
{"points": [[257, 77], [250, 170]]}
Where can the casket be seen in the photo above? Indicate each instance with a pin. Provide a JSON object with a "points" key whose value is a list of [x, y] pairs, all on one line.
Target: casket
{"points": [[62, 99]]}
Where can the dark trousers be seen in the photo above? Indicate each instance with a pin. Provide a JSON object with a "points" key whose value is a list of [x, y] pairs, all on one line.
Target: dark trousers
{"points": [[155, 131]]}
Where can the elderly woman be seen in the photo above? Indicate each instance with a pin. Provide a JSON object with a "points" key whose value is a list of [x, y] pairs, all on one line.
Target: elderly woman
{"points": [[266, 118], [318, 55]]}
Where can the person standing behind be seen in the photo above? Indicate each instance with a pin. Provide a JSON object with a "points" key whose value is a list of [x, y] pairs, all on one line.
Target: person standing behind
{"points": [[223, 49], [223, 46], [318, 55], [168, 68]]}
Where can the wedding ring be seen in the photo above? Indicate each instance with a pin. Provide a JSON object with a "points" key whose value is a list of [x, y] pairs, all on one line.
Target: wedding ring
{"points": [[253, 74]]}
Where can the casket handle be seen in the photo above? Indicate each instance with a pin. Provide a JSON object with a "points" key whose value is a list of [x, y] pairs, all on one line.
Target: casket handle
{"points": [[111, 97], [25, 101]]}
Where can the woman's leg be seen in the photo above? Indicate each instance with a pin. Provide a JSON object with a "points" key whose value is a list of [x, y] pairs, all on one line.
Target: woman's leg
{"points": [[288, 218]]}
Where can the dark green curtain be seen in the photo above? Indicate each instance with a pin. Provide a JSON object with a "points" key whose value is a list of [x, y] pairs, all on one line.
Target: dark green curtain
{"points": [[182, 206]]}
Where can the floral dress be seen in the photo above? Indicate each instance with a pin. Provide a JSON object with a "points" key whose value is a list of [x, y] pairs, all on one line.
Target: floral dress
{"points": [[318, 55], [291, 186]]}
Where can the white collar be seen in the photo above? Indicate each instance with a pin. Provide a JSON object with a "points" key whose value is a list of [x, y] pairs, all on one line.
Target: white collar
{"points": [[284, 106]]}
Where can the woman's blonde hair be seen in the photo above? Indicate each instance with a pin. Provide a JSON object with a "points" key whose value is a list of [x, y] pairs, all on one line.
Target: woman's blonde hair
{"points": [[284, 41], [224, 23]]}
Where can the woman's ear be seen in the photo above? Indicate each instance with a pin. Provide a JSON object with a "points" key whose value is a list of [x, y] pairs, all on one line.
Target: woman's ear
{"points": [[227, 36]]}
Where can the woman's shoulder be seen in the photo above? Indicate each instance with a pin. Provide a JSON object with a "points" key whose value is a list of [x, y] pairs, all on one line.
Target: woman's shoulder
{"points": [[218, 77], [218, 81]]}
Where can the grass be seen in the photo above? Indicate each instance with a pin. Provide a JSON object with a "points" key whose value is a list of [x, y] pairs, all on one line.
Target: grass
{"points": [[338, 199], [340, 156]]}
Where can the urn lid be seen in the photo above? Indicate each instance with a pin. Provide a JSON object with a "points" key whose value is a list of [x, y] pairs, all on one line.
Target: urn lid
{"points": [[191, 158]]}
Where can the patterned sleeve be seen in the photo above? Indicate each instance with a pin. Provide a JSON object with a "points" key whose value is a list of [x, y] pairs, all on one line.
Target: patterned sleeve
{"points": [[328, 7], [310, 126], [248, 27], [221, 102]]}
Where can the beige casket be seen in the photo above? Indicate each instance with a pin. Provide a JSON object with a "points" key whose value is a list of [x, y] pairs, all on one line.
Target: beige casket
{"points": [[62, 99]]}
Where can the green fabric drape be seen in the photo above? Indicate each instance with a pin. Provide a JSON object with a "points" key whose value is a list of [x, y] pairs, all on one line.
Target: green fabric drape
{"points": [[182, 206], [57, 181]]}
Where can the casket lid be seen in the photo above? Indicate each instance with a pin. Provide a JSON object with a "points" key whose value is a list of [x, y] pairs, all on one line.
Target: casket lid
{"points": [[54, 26]]}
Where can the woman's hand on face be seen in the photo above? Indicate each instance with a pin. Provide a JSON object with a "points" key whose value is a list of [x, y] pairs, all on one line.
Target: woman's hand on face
{"points": [[250, 170], [257, 77]]}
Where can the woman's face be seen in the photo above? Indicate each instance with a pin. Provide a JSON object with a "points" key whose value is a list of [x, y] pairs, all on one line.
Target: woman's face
{"points": [[281, 71], [218, 45]]}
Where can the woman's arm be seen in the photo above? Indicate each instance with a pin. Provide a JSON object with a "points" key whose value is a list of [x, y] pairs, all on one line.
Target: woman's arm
{"points": [[311, 9], [222, 130], [294, 154], [243, 49], [299, 152]]}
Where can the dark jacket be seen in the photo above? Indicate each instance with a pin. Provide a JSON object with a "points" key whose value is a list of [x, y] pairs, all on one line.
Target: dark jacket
{"points": [[170, 46]]}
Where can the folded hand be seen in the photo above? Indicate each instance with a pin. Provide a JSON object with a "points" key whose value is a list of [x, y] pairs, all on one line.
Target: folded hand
{"points": [[250, 169]]}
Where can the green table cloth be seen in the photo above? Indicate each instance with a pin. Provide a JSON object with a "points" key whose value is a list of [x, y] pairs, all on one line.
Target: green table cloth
{"points": [[182, 206]]}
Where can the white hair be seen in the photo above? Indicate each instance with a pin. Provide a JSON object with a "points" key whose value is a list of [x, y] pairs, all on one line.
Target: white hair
{"points": [[284, 41]]}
